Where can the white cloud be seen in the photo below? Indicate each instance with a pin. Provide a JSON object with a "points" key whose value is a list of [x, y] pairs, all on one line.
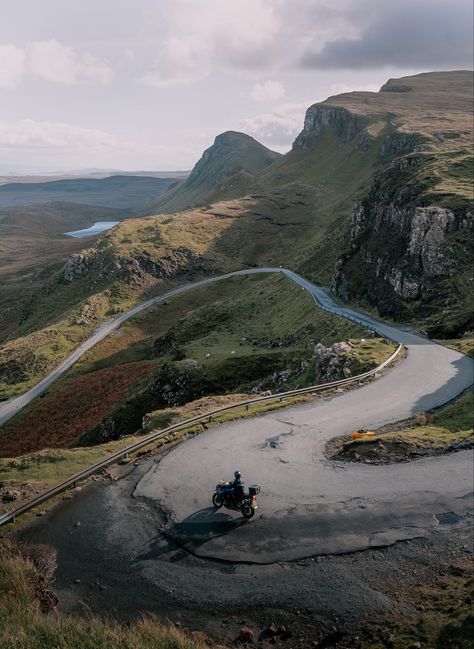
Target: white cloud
{"points": [[53, 61], [60, 63], [180, 61], [129, 54], [212, 34], [267, 91], [194, 39], [28, 134], [279, 127], [12, 64], [31, 146]]}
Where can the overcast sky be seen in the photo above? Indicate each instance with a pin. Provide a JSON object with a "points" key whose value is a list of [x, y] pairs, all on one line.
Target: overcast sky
{"points": [[147, 84]]}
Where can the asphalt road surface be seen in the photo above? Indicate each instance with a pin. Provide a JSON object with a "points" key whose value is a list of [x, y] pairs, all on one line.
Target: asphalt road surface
{"points": [[310, 505], [155, 525]]}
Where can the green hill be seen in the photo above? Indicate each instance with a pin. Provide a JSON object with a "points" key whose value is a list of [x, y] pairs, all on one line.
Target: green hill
{"points": [[231, 152], [376, 198], [119, 191]]}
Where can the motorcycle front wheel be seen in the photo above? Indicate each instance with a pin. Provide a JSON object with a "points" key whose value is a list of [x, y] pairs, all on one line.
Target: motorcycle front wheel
{"points": [[217, 501], [247, 510]]}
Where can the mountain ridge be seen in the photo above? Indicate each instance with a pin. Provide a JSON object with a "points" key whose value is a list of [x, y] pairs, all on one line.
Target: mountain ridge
{"points": [[231, 152]]}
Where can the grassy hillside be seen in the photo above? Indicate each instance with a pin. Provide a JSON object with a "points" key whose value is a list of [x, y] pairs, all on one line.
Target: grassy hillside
{"points": [[28, 619], [231, 153], [136, 259], [119, 192], [240, 335], [34, 217]]}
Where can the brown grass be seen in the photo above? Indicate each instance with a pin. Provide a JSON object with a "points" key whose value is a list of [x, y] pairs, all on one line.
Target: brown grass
{"points": [[57, 420], [27, 620]]}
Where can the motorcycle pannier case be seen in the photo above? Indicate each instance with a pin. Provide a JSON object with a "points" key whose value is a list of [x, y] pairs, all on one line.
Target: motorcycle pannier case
{"points": [[254, 490]]}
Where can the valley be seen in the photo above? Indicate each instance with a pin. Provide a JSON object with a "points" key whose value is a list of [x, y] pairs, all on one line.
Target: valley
{"points": [[317, 219], [34, 218]]}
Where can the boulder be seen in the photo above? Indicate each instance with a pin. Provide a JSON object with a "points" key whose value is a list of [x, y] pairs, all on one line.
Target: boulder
{"points": [[245, 635], [332, 363], [9, 495]]}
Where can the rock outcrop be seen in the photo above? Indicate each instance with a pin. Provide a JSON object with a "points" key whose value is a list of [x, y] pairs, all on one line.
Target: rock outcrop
{"points": [[399, 250], [98, 265], [332, 363], [319, 117]]}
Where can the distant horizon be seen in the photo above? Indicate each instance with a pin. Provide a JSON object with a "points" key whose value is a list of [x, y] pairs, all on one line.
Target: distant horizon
{"points": [[93, 171], [22, 171], [147, 85]]}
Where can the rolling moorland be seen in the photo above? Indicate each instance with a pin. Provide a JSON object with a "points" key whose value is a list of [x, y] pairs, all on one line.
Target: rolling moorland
{"points": [[367, 169], [34, 217], [242, 336]]}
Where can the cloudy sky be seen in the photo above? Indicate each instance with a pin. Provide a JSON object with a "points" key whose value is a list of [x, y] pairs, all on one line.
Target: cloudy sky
{"points": [[147, 84]]}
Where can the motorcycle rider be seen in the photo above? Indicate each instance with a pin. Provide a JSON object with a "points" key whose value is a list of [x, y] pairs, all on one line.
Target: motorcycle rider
{"points": [[238, 486]]}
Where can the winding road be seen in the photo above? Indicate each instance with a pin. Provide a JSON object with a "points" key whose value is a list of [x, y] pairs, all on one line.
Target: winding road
{"points": [[10, 408], [153, 539]]}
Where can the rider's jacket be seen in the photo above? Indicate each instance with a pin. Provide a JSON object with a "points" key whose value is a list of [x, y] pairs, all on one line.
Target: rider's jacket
{"points": [[238, 487]]}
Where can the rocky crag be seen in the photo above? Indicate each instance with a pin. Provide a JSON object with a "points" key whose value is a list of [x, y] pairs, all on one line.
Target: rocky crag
{"points": [[407, 256], [406, 248]]}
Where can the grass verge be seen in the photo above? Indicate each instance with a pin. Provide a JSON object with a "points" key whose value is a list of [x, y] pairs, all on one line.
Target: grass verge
{"points": [[444, 621], [444, 430], [27, 620], [464, 345]]}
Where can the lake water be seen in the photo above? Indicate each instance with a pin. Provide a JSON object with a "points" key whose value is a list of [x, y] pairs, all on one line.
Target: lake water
{"points": [[97, 228]]}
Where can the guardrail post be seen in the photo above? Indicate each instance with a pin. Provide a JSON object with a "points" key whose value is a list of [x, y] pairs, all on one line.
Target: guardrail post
{"points": [[247, 406], [210, 418]]}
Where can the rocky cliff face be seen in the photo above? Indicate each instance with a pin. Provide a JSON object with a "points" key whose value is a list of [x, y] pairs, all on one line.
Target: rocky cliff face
{"points": [[332, 363], [400, 252], [319, 117]]}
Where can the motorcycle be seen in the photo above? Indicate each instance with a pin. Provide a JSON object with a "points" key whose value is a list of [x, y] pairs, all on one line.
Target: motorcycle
{"points": [[224, 496]]}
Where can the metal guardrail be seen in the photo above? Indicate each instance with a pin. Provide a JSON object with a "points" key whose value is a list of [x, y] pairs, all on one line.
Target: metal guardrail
{"points": [[145, 441]]}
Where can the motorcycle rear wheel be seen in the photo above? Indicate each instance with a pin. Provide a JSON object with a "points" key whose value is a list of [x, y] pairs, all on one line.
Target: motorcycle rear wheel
{"points": [[217, 501], [247, 510]]}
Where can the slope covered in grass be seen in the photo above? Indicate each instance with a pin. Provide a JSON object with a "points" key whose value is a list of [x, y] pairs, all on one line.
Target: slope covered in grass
{"points": [[28, 621], [231, 153], [445, 430], [244, 334]]}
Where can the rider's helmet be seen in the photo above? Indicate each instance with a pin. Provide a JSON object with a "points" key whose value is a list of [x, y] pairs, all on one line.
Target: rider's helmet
{"points": [[237, 475]]}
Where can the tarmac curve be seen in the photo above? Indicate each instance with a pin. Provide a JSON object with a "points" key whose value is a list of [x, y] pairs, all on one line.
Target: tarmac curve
{"points": [[309, 506]]}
